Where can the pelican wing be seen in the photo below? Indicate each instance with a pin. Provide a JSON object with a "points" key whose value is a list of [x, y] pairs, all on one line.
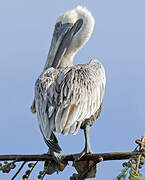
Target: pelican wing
{"points": [[66, 97], [81, 90], [44, 102]]}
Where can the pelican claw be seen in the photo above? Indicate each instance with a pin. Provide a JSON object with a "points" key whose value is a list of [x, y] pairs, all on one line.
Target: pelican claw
{"points": [[58, 157], [78, 156]]}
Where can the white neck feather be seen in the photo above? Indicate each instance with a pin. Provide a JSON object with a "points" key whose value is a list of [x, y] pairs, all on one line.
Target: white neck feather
{"points": [[81, 37]]}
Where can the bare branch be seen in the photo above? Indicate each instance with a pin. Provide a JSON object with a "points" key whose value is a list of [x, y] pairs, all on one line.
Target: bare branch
{"points": [[32, 168], [43, 176], [69, 157], [18, 170]]}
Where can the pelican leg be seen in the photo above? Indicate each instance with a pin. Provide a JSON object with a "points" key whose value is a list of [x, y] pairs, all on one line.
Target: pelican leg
{"points": [[52, 166], [87, 148], [54, 148]]}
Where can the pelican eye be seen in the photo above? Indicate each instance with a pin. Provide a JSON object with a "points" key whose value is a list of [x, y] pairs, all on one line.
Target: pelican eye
{"points": [[58, 25]]}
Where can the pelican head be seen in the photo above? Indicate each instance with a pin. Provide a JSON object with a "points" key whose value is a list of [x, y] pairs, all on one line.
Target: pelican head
{"points": [[72, 30]]}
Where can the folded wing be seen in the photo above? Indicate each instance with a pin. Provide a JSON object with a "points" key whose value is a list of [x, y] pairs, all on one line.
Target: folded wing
{"points": [[72, 95]]}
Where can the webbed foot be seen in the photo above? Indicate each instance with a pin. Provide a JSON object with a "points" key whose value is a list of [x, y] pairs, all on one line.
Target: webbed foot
{"points": [[58, 157], [55, 165], [78, 156]]}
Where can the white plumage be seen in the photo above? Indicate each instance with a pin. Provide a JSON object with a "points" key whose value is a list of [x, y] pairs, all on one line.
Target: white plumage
{"points": [[69, 97]]}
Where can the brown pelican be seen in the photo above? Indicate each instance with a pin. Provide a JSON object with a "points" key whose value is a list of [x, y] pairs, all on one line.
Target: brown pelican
{"points": [[69, 97]]}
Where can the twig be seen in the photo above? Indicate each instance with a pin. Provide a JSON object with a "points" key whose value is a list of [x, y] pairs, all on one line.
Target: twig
{"points": [[138, 162], [43, 176], [32, 168], [19, 170], [141, 148]]}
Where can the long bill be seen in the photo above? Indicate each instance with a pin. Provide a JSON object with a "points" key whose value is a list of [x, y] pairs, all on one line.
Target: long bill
{"points": [[60, 43]]}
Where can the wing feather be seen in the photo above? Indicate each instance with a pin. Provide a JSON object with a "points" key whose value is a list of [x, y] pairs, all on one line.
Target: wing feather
{"points": [[72, 95], [45, 107], [81, 89]]}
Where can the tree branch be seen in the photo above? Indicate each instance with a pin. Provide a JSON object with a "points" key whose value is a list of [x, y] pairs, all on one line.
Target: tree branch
{"points": [[21, 167], [86, 167], [69, 157]]}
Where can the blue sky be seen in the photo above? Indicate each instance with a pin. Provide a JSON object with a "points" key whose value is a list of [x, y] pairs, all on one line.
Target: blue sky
{"points": [[118, 41]]}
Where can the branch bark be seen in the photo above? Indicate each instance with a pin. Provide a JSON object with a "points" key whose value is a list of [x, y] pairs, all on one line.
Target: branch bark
{"points": [[69, 157]]}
